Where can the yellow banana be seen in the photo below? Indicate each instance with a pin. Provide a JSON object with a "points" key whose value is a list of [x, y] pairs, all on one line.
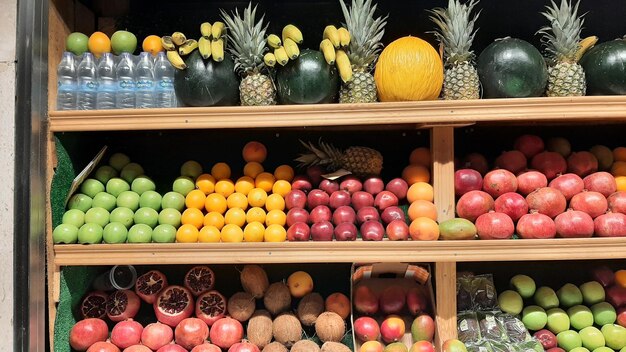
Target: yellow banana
{"points": [[188, 46], [274, 41], [344, 37], [281, 56], [344, 66], [178, 38], [205, 29], [204, 47], [218, 30], [292, 32], [292, 49], [176, 60], [331, 33], [328, 50], [167, 43], [269, 59], [217, 50], [585, 45]]}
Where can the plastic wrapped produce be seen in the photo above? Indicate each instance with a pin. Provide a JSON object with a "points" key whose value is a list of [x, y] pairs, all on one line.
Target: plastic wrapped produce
{"points": [[468, 327]]}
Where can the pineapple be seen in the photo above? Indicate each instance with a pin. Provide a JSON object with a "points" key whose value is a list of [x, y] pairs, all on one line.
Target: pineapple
{"points": [[562, 44], [247, 38], [363, 50], [456, 34], [361, 161]]}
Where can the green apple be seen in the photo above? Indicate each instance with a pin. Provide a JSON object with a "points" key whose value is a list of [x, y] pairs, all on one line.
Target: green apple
{"points": [[140, 233], [104, 173], [128, 199], [123, 215], [91, 187], [615, 336], [592, 337], [104, 200], [510, 302], [173, 200], [116, 186], [623, 350], [118, 161], [123, 42], [164, 233], [131, 171], [183, 185], [142, 184], [65, 233], [147, 216], [90, 233], [115, 232], [603, 349], [546, 298], [524, 285], [579, 349], [569, 295], [558, 320], [580, 317], [74, 217], [534, 318], [603, 313], [150, 199], [191, 168], [80, 201], [98, 216], [593, 292], [172, 217], [568, 340], [77, 43]]}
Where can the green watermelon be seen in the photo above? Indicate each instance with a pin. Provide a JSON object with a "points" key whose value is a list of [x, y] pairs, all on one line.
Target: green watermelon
{"points": [[605, 68], [307, 80]]}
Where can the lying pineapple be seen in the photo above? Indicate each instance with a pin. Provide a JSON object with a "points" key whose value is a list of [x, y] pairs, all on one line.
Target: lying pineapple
{"points": [[360, 161]]}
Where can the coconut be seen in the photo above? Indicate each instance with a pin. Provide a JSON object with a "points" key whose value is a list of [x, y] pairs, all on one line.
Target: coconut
{"points": [[277, 298], [275, 347], [286, 329], [254, 280], [259, 330], [335, 347], [305, 346], [310, 307], [329, 326], [241, 306]]}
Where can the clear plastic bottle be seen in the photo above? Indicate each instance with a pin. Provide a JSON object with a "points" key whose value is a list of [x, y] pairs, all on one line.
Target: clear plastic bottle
{"points": [[106, 82], [164, 81], [66, 83], [87, 83], [125, 75], [145, 82]]}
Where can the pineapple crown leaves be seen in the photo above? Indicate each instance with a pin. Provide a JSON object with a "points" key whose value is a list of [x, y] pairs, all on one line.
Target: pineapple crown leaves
{"points": [[456, 30], [324, 155], [561, 38], [366, 32], [247, 39]]}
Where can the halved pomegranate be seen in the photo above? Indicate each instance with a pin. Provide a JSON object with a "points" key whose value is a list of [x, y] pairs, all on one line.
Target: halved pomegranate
{"points": [[149, 285], [210, 307], [199, 280], [122, 305], [173, 304], [94, 305]]}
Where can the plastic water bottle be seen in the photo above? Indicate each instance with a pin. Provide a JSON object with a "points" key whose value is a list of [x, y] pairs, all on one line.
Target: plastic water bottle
{"points": [[164, 79], [106, 82], [66, 83], [125, 75], [87, 83], [145, 82]]}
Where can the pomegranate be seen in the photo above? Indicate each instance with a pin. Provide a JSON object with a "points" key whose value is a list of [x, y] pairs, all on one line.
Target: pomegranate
{"points": [[559, 145], [568, 184], [122, 305], [397, 230], [366, 329], [206, 347], [173, 304], [156, 335], [295, 199], [210, 307], [392, 300], [529, 144], [514, 161], [367, 213], [573, 224], [536, 225], [547, 200], [191, 332], [476, 162], [512, 204], [373, 185], [372, 231], [94, 305], [226, 332], [87, 332], [550, 164], [126, 333], [530, 180], [617, 202], [473, 204], [329, 186], [339, 198], [582, 163], [244, 346], [139, 348], [494, 226], [314, 173], [346, 231], [199, 279], [602, 182], [417, 300], [172, 348], [149, 285], [392, 213], [385, 199], [466, 180], [397, 186], [592, 203], [103, 346], [610, 225], [365, 300], [361, 199], [498, 182]]}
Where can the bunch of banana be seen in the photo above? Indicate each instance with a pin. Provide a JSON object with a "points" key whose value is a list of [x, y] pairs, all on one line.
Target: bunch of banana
{"points": [[285, 49], [211, 44], [176, 45], [333, 47]]}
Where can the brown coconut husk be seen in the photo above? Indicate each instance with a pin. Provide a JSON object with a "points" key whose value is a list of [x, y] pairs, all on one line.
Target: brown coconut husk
{"points": [[259, 330], [310, 307], [286, 329], [305, 346], [329, 326], [254, 280], [277, 298], [241, 306], [275, 347], [335, 347]]}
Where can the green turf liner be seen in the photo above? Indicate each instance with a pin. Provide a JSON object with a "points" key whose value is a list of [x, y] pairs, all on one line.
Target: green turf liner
{"points": [[61, 182]]}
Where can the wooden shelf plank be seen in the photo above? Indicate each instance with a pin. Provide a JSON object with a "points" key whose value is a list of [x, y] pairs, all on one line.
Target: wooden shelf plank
{"points": [[428, 113], [325, 252]]}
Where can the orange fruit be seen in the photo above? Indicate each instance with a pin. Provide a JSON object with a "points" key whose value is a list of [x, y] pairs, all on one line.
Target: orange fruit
{"points": [[216, 202], [254, 151], [618, 168], [209, 234], [415, 173], [255, 214], [275, 233], [192, 216], [220, 171], [214, 219], [300, 283], [195, 199], [275, 216], [284, 172], [206, 183], [231, 233], [424, 229], [281, 187], [257, 197], [420, 191], [252, 169], [620, 278], [99, 43], [244, 184], [254, 232], [619, 154], [339, 303], [420, 156], [187, 234], [237, 200], [235, 216], [621, 183], [275, 201], [152, 44], [264, 181], [422, 208], [225, 187]]}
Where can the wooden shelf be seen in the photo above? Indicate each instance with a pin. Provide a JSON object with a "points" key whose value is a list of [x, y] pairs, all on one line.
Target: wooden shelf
{"points": [[326, 252], [423, 114]]}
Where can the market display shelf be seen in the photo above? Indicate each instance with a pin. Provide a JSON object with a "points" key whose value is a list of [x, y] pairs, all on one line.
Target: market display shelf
{"points": [[326, 252], [424, 114]]}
